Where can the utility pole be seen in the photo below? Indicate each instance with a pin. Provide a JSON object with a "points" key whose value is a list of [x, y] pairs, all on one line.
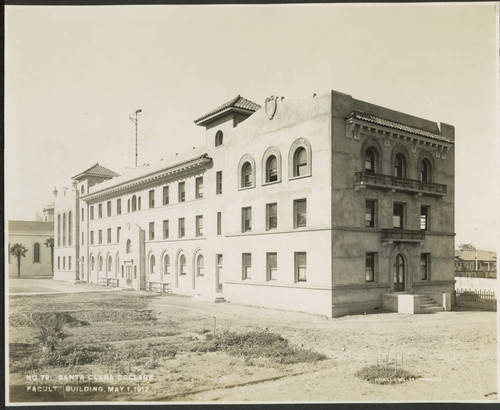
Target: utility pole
{"points": [[134, 120]]}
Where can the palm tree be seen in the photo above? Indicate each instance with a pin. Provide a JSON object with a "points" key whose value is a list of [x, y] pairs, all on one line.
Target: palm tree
{"points": [[19, 251], [49, 243]]}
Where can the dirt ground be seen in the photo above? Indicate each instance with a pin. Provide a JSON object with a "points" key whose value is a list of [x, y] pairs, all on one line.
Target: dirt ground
{"points": [[452, 353]]}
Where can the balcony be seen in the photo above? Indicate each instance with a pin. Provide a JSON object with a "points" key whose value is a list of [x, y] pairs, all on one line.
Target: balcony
{"points": [[402, 235], [382, 181]]}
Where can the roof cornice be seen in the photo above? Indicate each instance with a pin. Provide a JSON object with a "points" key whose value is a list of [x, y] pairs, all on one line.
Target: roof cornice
{"points": [[155, 177]]}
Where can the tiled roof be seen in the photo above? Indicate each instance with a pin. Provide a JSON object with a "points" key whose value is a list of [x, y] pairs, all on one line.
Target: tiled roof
{"points": [[391, 124], [237, 102], [471, 255], [97, 170]]}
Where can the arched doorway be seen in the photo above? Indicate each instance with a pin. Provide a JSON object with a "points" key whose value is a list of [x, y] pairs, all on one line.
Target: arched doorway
{"points": [[399, 273]]}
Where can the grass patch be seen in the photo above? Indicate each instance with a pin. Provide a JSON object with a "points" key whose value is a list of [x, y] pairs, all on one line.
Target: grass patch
{"points": [[257, 344], [377, 374]]}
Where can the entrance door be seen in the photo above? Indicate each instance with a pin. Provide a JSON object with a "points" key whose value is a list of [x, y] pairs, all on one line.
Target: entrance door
{"points": [[399, 274], [218, 273], [129, 275]]}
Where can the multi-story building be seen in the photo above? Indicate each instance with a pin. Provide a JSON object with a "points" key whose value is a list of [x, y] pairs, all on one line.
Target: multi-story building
{"points": [[325, 205]]}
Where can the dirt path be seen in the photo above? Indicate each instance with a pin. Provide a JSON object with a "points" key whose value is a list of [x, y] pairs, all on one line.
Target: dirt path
{"points": [[453, 353]]}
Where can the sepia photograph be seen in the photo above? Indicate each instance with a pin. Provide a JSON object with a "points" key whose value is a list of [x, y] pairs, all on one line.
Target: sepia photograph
{"points": [[260, 203]]}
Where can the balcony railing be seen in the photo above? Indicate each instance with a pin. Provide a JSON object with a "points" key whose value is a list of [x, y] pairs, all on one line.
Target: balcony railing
{"points": [[383, 181], [402, 235]]}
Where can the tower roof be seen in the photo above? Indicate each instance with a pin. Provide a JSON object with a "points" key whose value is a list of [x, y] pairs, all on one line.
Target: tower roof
{"points": [[238, 104], [96, 171]]}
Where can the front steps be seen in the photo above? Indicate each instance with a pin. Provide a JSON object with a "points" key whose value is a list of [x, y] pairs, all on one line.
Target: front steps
{"points": [[429, 305]]}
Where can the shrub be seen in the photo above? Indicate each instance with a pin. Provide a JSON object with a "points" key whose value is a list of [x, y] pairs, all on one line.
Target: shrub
{"points": [[255, 344], [379, 374]]}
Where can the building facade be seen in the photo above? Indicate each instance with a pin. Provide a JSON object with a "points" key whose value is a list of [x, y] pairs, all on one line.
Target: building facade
{"points": [[33, 235], [322, 205]]}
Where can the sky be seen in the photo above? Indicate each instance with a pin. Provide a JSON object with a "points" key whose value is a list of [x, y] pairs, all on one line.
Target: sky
{"points": [[73, 75]]}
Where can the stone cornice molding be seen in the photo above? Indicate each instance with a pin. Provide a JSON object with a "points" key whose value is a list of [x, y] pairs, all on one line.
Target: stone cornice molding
{"points": [[356, 126], [156, 177]]}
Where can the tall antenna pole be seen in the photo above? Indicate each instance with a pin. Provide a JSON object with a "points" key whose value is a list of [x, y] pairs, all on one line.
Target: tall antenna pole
{"points": [[134, 120]]}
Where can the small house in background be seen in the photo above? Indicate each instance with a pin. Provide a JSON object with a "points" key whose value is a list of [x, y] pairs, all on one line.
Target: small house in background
{"points": [[473, 262], [33, 235]]}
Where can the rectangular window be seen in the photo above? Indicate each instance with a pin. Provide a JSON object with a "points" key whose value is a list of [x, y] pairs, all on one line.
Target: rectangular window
{"points": [[152, 198], [218, 182], [100, 236], [165, 229], [370, 267], [118, 206], [272, 265], [246, 219], [424, 266], [370, 213], [64, 262], [118, 230], [246, 266], [109, 235], [182, 191], [58, 262], [425, 213], [83, 241], [219, 223], [300, 267], [199, 225], [166, 195], [151, 231], [108, 206], [182, 228], [300, 212], [100, 211], [83, 214], [69, 262], [199, 187], [92, 212], [271, 216], [398, 216], [91, 237]]}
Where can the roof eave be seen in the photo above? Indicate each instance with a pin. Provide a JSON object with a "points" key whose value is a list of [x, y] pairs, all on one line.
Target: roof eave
{"points": [[212, 117]]}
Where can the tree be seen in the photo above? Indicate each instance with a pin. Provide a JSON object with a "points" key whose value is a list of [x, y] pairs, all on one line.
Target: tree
{"points": [[49, 243], [19, 251]]}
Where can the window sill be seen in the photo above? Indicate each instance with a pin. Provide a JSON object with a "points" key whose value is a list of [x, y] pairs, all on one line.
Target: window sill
{"points": [[300, 177], [246, 188], [271, 183]]}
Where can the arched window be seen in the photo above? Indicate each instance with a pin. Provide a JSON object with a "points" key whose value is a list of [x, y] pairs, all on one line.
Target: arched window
{"points": [[200, 265], [59, 230], [425, 170], [152, 265], [128, 246], [64, 229], [70, 236], [92, 263], [246, 175], [110, 261], [219, 139], [36, 252], [166, 265], [370, 161], [400, 166], [139, 203], [134, 203], [300, 166], [128, 205], [101, 263], [82, 189], [182, 265], [272, 169]]}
